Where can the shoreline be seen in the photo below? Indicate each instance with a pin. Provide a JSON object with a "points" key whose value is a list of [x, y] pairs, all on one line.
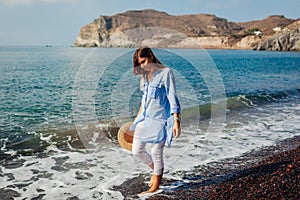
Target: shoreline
{"points": [[272, 172]]}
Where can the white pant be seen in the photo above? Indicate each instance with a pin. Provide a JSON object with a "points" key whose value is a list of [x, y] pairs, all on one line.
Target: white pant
{"points": [[156, 156]]}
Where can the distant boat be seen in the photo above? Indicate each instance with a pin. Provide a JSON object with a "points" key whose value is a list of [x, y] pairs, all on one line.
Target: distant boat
{"points": [[48, 45]]}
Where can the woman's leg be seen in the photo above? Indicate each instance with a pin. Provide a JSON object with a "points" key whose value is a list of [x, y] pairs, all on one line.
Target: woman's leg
{"points": [[158, 166], [157, 157], [139, 151], [154, 161]]}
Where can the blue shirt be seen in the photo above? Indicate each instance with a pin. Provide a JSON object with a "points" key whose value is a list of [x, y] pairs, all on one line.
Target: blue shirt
{"points": [[159, 102]]}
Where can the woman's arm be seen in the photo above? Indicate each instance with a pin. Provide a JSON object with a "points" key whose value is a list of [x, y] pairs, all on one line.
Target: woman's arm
{"points": [[141, 88], [171, 93], [140, 110], [174, 102], [176, 127]]}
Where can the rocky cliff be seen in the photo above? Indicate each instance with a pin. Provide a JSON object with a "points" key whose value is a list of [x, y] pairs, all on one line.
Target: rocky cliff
{"points": [[159, 29], [286, 40]]}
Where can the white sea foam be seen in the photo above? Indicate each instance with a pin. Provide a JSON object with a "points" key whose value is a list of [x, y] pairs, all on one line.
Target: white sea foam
{"points": [[3, 141]]}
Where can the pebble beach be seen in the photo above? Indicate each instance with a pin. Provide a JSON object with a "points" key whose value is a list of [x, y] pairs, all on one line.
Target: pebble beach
{"points": [[270, 173]]}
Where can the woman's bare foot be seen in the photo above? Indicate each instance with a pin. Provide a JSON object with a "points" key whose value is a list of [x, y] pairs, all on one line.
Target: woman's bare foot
{"points": [[153, 184]]}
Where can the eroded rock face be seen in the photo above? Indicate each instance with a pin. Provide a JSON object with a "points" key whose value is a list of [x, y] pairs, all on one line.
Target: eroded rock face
{"points": [[88, 36], [286, 40], [108, 31], [161, 30]]}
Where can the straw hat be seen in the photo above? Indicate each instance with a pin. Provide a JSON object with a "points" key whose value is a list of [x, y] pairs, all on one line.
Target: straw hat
{"points": [[125, 136]]}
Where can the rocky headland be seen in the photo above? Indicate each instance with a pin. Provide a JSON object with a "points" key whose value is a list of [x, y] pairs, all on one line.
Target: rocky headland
{"points": [[286, 40], [162, 30]]}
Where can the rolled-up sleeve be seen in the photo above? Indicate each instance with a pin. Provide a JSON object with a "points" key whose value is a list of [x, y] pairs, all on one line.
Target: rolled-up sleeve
{"points": [[171, 93]]}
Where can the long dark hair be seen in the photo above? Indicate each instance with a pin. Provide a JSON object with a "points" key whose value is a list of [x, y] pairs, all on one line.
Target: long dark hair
{"points": [[144, 52]]}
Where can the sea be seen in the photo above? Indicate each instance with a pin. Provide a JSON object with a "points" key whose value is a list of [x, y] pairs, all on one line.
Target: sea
{"points": [[61, 109]]}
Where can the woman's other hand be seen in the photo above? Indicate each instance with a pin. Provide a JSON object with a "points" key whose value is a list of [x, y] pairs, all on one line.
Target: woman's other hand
{"points": [[176, 129]]}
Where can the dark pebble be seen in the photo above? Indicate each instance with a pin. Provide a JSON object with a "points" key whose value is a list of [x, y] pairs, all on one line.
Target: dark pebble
{"points": [[8, 194]]}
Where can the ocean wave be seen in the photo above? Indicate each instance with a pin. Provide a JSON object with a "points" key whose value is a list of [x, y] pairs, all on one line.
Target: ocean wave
{"points": [[249, 100], [104, 133], [241, 101]]}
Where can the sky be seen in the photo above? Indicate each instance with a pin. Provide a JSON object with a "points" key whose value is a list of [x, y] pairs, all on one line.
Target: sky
{"points": [[57, 22]]}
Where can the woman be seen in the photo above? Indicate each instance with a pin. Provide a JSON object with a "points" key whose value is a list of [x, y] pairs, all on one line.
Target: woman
{"points": [[158, 119]]}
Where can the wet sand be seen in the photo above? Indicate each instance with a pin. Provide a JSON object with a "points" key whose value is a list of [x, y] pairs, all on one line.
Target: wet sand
{"points": [[269, 173]]}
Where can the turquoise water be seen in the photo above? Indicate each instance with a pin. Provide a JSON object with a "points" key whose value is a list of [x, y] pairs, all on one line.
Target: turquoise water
{"points": [[37, 85]]}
